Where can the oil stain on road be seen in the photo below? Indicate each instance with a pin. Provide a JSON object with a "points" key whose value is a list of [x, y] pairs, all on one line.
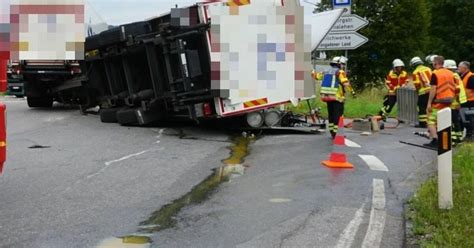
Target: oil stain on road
{"points": [[165, 217]]}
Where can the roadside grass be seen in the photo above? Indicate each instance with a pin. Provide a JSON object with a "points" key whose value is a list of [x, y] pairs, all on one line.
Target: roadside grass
{"points": [[447, 228], [366, 103]]}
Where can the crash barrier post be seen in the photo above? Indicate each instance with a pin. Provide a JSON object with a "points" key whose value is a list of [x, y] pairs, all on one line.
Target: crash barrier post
{"points": [[3, 75], [338, 158], [407, 102], [3, 136], [445, 160]]}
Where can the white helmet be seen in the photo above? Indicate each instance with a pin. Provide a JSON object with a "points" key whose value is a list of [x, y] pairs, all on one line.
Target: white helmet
{"points": [[335, 60], [397, 63], [343, 60], [416, 61], [450, 64], [430, 58]]}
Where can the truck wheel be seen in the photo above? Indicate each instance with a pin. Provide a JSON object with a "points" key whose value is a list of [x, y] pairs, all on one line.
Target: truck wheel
{"points": [[108, 115], [255, 119], [39, 102], [127, 117]]}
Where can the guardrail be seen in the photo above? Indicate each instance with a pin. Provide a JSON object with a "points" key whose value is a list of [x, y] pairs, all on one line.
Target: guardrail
{"points": [[407, 99]]}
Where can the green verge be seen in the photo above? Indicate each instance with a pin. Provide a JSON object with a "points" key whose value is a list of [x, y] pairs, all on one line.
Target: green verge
{"points": [[446, 228], [368, 102]]}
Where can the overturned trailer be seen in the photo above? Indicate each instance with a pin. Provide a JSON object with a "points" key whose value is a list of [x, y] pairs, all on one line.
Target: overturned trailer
{"points": [[200, 62]]}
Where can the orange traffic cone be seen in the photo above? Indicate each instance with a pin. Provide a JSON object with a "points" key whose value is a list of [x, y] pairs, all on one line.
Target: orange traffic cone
{"points": [[338, 158]]}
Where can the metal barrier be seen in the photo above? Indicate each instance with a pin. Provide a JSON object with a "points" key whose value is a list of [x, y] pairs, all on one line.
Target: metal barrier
{"points": [[407, 99]]}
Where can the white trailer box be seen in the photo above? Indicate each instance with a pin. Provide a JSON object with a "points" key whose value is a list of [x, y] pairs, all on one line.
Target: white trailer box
{"points": [[261, 53]]}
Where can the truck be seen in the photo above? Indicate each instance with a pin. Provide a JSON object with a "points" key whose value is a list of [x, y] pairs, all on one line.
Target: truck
{"points": [[45, 81], [188, 63]]}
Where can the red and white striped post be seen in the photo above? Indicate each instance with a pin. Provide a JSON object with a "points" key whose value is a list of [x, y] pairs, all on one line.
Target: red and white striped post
{"points": [[445, 160]]}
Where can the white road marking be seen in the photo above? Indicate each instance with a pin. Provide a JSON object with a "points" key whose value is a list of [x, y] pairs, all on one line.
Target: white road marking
{"points": [[351, 143], [108, 163], [373, 237], [347, 237], [279, 200], [374, 163]]}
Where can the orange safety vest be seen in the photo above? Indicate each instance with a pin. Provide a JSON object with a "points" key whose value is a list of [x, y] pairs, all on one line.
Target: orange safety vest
{"points": [[469, 92], [395, 81], [446, 87]]}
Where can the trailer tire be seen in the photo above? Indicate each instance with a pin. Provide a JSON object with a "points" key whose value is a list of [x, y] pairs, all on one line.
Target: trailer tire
{"points": [[127, 117], [108, 115], [40, 102]]}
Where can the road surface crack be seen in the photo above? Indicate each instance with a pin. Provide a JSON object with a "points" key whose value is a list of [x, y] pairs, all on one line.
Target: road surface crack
{"points": [[299, 228]]}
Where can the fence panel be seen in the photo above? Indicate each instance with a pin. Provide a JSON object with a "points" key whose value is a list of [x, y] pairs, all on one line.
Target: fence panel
{"points": [[407, 99]]}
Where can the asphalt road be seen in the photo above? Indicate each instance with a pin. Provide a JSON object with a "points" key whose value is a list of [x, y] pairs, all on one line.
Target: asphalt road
{"points": [[93, 180], [87, 182]]}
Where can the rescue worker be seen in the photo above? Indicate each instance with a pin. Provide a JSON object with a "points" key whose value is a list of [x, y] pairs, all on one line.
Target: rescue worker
{"points": [[442, 93], [334, 85], [429, 60], [343, 62], [421, 79], [457, 131], [396, 78], [467, 77]]}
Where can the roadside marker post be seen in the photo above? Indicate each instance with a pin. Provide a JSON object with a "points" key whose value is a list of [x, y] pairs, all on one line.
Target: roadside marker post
{"points": [[445, 160]]}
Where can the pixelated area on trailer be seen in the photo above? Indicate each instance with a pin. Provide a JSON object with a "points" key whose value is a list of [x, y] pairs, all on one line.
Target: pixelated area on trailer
{"points": [[42, 29], [258, 48]]}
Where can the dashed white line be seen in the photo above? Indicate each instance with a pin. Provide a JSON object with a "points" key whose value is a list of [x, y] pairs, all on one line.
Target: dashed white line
{"points": [[374, 163], [347, 237], [352, 144], [373, 237], [108, 163]]}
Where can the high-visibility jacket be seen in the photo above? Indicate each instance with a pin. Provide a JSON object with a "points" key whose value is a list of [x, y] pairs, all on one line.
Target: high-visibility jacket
{"points": [[332, 85], [395, 81], [446, 86], [469, 92], [461, 97], [421, 79]]}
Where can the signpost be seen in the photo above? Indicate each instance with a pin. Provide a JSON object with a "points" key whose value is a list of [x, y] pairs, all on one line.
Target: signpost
{"points": [[342, 4], [342, 41], [343, 35], [349, 23]]}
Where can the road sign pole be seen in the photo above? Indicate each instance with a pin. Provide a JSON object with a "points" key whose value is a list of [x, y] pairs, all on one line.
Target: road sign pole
{"points": [[346, 54], [445, 160]]}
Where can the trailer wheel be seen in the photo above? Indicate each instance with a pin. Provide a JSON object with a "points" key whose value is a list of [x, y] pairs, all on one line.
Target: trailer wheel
{"points": [[108, 115], [39, 102], [272, 118], [127, 117], [255, 119]]}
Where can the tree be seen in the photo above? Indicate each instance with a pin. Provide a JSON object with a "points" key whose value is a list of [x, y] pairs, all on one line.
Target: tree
{"points": [[452, 28], [397, 29]]}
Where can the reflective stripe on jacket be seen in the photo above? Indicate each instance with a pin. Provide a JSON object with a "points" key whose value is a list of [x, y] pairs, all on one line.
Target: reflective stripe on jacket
{"points": [[446, 86], [421, 79], [395, 81], [469, 92]]}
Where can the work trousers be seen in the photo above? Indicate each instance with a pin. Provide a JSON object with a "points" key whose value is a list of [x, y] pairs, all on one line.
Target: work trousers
{"points": [[422, 105], [335, 111], [457, 126], [469, 106], [388, 102]]}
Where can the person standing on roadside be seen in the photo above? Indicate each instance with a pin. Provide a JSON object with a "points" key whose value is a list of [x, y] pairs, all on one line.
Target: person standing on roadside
{"points": [[442, 93], [421, 79], [457, 130], [396, 78], [334, 85], [467, 77]]}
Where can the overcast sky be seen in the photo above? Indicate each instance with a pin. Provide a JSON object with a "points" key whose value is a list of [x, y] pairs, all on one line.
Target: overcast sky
{"points": [[123, 11]]}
